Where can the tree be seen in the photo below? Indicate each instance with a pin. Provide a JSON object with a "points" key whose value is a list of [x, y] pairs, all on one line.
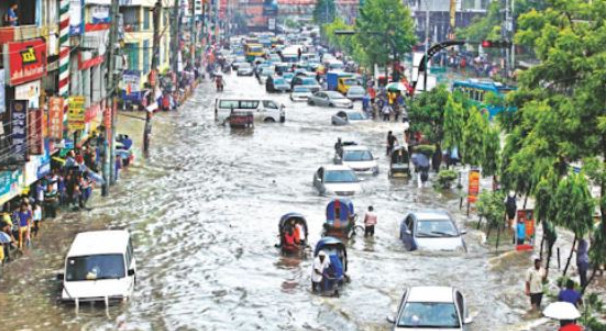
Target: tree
{"points": [[474, 135], [385, 27], [454, 119], [324, 11], [492, 148], [573, 207], [426, 113]]}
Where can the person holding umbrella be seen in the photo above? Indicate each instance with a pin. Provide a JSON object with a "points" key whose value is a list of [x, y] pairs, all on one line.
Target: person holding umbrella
{"points": [[566, 313]]}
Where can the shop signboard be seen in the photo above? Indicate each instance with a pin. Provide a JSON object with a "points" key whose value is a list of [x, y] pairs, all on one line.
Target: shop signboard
{"points": [[92, 112], [131, 80], [29, 91], [76, 113], [75, 17], [473, 185], [35, 139], [525, 230], [19, 129], [24, 61], [9, 184], [55, 118], [100, 14]]}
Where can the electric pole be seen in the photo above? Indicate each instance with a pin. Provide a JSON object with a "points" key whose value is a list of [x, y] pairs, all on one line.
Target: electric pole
{"points": [[427, 43], [193, 33], [175, 37], [112, 86], [147, 130]]}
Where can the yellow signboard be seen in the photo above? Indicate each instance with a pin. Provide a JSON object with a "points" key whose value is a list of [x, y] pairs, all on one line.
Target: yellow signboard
{"points": [[76, 113]]}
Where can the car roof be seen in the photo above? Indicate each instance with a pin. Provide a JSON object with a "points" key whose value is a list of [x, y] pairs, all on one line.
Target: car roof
{"points": [[99, 242], [331, 167], [430, 294], [432, 215], [356, 148]]}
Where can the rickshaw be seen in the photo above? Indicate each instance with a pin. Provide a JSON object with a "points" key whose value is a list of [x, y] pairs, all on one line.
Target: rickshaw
{"points": [[297, 222], [341, 219], [338, 263], [399, 163]]}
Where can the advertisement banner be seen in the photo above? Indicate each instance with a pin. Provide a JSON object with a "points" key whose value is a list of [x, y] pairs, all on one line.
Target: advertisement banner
{"points": [[473, 185], [100, 14], [525, 230], [35, 139], [92, 112], [75, 17], [19, 127], [24, 61], [30, 92], [9, 184], [55, 117], [76, 113]]}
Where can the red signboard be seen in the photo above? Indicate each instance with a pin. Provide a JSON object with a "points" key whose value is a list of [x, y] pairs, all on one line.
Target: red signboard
{"points": [[92, 112], [55, 118], [473, 185], [24, 61], [90, 63], [525, 230], [34, 138]]}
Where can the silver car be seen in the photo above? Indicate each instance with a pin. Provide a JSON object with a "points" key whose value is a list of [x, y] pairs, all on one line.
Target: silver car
{"points": [[433, 308], [343, 117], [300, 93], [432, 231], [245, 69], [330, 99], [355, 93], [336, 180]]}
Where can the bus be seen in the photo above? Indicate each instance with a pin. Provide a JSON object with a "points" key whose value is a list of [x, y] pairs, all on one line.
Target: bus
{"points": [[252, 51], [476, 90]]}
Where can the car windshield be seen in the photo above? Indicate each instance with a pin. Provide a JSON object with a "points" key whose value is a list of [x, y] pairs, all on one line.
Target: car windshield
{"points": [[94, 267], [288, 75], [352, 82], [334, 95], [429, 315], [301, 89], [353, 156], [278, 81], [245, 65], [340, 176], [309, 81], [356, 116], [436, 228], [356, 90]]}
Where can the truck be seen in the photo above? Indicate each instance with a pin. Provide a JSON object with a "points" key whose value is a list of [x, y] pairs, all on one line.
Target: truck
{"points": [[341, 81]]}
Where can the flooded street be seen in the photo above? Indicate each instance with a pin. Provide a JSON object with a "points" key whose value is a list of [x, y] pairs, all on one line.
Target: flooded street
{"points": [[204, 212]]}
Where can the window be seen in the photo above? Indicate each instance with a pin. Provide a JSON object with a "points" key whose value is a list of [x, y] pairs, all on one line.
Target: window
{"points": [[146, 19], [95, 267], [146, 56], [132, 52], [429, 315], [249, 104], [340, 176], [228, 104], [269, 104]]}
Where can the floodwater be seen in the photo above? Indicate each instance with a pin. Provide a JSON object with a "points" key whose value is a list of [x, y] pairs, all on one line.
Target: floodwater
{"points": [[204, 211]]}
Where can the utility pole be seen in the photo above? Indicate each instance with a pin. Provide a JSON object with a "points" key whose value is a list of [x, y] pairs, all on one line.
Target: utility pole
{"points": [[193, 33], [427, 43], [147, 130], [505, 36], [112, 86], [175, 37]]}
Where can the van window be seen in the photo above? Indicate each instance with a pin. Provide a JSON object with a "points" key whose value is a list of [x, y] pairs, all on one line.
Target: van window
{"points": [[248, 104], [228, 104], [94, 267], [269, 104]]}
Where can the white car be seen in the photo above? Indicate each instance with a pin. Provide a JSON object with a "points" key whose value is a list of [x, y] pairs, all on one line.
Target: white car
{"points": [[343, 117], [329, 99], [336, 179], [431, 308], [358, 158], [300, 93], [244, 69], [431, 230], [355, 93]]}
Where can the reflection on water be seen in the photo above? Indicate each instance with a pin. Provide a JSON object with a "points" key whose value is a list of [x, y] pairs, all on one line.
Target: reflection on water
{"points": [[204, 213]]}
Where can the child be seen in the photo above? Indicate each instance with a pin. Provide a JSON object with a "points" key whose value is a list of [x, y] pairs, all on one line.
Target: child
{"points": [[37, 217]]}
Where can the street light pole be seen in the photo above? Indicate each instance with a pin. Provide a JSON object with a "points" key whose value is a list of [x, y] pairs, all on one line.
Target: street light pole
{"points": [[427, 42]]}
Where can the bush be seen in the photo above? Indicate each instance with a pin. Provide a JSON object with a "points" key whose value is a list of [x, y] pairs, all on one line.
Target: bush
{"points": [[445, 178], [427, 150]]}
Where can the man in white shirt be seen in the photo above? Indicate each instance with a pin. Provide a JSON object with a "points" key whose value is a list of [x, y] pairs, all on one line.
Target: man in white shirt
{"points": [[370, 221], [534, 279], [321, 263]]}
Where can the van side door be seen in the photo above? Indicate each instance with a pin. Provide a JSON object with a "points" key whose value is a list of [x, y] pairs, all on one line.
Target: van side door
{"points": [[271, 109]]}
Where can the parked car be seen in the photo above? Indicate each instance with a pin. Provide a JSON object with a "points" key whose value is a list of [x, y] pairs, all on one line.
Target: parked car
{"points": [[358, 158], [431, 230], [276, 84], [244, 69], [343, 117], [308, 82], [300, 93], [431, 308], [99, 265], [288, 76], [355, 93], [266, 72], [237, 64], [336, 179], [330, 99]]}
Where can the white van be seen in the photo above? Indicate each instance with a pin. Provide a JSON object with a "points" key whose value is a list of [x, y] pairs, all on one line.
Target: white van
{"points": [[99, 266], [263, 110]]}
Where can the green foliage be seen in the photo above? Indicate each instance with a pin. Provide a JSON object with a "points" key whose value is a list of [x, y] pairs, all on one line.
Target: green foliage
{"points": [[492, 148], [384, 26], [426, 113], [490, 205], [482, 27], [474, 136], [445, 178], [453, 123], [324, 11], [572, 204], [427, 150], [342, 43]]}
